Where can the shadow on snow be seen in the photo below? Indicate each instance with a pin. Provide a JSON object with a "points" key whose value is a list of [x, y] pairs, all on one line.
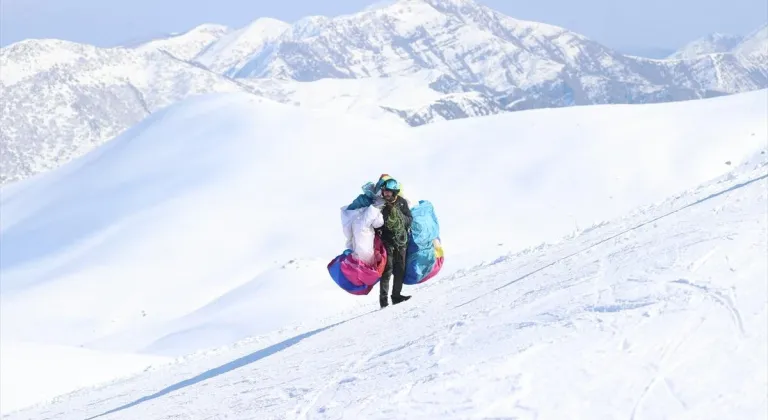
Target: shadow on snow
{"points": [[275, 348], [228, 367]]}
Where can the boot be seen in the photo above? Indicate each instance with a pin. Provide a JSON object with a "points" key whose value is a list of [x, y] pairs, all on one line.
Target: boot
{"points": [[399, 298], [383, 301]]}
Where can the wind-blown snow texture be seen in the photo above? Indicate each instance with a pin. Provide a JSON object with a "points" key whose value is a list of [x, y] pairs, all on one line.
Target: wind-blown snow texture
{"points": [[212, 222], [413, 61]]}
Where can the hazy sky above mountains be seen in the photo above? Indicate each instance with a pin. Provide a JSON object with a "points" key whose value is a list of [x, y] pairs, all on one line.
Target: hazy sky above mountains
{"points": [[618, 24]]}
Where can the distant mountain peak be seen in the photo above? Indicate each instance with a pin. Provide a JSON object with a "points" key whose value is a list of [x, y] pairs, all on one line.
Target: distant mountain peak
{"points": [[755, 44], [187, 45], [387, 3], [411, 61], [713, 43], [236, 46], [379, 5], [203, 28]]}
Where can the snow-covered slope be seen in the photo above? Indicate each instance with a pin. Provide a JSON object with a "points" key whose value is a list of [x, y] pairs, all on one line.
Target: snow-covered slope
{"points": [[212, 220], [710, 44], [755, 47], [240, 45], [658, 314], [62, 99], [32, 372], [377, 98], [190, 44]]}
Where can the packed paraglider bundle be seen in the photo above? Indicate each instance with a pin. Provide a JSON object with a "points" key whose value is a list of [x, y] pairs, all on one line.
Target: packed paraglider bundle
{"points": [[363, 262]]}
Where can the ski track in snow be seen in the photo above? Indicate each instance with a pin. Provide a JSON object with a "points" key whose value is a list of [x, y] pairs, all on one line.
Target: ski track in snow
{"points": [[722, 300], [564, 328]]}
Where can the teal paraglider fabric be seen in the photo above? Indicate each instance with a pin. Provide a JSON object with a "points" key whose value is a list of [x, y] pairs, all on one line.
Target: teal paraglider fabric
{"points": [[365, 199], [424, 256]]}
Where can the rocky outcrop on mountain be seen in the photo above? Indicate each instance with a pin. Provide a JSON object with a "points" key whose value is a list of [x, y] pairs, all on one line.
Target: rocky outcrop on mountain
{"points": [[513, 64], [62, 99], [412, 61]]}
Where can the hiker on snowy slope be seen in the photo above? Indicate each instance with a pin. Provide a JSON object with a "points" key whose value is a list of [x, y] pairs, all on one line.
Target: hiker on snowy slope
{"points": [[394, 235]]}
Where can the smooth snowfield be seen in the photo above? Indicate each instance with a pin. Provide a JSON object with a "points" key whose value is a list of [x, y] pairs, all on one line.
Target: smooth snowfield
{"points": [[364, 97], [32, 371], [212, 221], [661, 314]]}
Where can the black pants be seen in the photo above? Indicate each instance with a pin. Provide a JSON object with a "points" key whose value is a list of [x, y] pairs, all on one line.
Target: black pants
{"points": [[396, 268]]}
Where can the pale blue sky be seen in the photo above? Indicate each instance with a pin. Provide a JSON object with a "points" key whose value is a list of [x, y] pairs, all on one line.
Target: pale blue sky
{"points": [[619, 24]]}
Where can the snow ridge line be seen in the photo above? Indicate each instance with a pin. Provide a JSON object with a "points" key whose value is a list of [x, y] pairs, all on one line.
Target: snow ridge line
{"points": [[709, 197]]}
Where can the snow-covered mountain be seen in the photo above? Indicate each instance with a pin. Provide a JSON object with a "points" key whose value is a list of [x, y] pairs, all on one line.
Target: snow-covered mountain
{"points": [[238, 46], [512, 64], [185, 261], [753, 45], [412, 61], [62, 99], [190, 44], [710, 44]]}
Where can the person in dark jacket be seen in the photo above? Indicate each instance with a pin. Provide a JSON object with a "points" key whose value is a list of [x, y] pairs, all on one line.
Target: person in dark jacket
{"points": [[394, 235]]}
